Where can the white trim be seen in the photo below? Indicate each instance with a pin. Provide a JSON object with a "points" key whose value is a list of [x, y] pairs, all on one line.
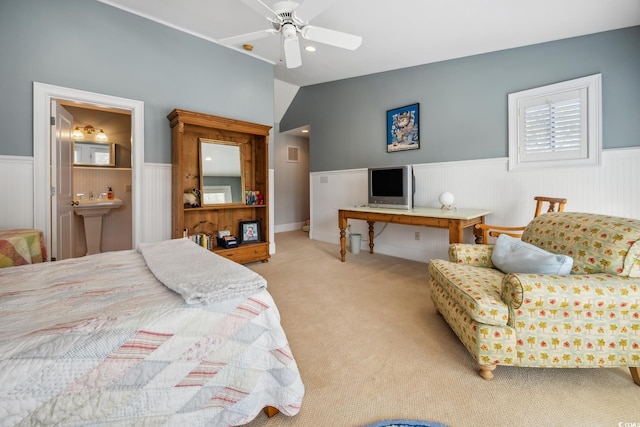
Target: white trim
{"points": [[43, 95], [294, 226], [593, 109], [272, 203]]}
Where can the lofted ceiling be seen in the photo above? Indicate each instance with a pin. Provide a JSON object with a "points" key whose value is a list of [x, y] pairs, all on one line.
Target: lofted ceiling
{"points": [[396, 34]]}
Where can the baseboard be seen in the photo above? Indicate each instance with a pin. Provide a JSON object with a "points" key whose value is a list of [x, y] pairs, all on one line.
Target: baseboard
{"points": [[281, 228]]}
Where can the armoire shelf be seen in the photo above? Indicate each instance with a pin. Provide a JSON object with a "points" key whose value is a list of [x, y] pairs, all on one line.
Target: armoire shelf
{"points": [[188, 129]]}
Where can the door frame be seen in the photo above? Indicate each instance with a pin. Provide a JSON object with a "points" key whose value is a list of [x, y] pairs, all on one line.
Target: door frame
{"points": [[43, 95]]}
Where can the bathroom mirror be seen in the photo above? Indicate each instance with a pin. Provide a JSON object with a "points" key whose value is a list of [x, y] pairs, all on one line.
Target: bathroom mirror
{"points": [[89, 153], [220, 172]]}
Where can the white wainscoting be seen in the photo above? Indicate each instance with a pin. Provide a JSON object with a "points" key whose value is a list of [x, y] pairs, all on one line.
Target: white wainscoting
{"points": [[609, 189], [16, 175], [16, 191], [156, 204]]}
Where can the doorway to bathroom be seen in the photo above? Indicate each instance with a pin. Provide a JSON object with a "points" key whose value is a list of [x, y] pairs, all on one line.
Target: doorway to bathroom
{"points": [[127, 181], [100, 162]]}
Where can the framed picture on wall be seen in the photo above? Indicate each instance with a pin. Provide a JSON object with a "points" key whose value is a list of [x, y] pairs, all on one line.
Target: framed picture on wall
{"points": [[403, 131], [250, 231]]}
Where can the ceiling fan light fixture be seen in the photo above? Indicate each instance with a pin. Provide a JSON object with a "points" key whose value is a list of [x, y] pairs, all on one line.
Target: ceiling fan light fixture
{"points": [[289, 31], [290, 19]]}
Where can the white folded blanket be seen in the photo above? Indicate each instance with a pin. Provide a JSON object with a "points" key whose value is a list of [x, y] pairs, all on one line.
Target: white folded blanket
{"points": [[200, 276]]}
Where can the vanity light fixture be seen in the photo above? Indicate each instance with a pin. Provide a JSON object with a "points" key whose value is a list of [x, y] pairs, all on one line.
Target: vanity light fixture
{"points": [[78, 133], [101, 136]]}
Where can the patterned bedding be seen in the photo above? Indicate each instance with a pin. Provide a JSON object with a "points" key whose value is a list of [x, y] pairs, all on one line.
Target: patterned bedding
{"points": [[98, 340]]}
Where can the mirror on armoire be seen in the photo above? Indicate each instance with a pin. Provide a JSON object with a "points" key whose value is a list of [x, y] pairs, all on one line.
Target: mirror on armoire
{"points": [[220, 172]]}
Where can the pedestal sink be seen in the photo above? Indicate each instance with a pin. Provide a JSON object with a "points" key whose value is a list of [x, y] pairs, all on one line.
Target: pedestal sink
{"points": [[91, 212]]}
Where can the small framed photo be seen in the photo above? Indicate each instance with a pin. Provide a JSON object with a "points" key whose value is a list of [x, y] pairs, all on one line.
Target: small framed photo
{"points": [[250, 231], [403, 131]]}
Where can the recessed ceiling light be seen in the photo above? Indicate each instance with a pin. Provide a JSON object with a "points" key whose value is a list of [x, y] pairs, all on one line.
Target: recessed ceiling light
{"points": [[305, 131], [310, 48], [247, 47]]}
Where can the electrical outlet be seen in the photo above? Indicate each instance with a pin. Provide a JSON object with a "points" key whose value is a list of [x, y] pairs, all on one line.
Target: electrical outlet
{"points": [[417, 235]]}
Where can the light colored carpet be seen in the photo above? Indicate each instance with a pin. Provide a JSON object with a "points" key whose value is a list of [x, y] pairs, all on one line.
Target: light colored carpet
{"points": [[370, 346]]}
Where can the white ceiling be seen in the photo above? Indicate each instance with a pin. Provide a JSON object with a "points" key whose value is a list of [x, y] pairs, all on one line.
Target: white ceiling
{"points": [[396, 33]]}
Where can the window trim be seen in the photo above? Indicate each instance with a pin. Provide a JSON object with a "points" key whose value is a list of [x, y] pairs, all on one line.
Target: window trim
{"points": [[592, 109]]}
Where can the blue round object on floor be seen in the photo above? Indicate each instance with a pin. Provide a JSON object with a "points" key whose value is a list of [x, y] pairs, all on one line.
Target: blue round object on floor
{"points": [[405, 423]]}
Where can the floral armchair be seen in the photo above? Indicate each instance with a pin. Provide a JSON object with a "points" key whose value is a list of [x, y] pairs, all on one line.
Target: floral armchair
{"points": [[587, 319]]}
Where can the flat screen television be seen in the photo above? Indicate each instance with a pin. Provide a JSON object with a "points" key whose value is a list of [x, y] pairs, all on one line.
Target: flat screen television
{"points": [[391, 187]]}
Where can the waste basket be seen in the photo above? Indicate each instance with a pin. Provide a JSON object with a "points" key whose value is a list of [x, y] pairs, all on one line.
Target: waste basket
{"points": [[355, 243]]}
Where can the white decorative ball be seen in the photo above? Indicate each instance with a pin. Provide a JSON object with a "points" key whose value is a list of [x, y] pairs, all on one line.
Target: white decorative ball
{"points": [[446, 199]]}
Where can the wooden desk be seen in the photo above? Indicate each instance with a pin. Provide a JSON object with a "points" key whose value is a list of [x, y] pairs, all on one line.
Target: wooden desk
{"points": [[455, 220]]}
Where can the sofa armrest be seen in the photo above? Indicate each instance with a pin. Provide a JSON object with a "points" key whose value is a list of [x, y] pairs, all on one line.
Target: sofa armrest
{"points": [[592, 293], [475, 255]]}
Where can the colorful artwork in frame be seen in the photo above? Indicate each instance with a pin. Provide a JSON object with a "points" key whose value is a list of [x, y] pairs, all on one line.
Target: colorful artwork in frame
{"points": [[403, 131]]}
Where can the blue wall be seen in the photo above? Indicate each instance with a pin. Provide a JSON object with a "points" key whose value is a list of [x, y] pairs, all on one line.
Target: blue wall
{"points": [[463, 102], [94, 47]]}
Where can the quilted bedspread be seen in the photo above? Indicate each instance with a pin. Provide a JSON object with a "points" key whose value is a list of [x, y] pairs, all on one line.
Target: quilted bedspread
{"points": [[20, 247], [98, 340]]}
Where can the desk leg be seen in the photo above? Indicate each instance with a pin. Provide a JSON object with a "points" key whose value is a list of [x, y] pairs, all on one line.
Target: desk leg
{"points": [[456, 231], [371, 234], [342, 224], [478, 233]]}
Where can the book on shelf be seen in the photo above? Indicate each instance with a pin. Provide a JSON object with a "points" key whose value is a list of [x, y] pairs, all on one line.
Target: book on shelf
{"points": [[206, 240]]}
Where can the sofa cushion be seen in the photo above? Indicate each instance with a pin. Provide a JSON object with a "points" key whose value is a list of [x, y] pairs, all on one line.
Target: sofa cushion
{"points": [[512, 255], [597, 243], [476, 289], [632, 261]]}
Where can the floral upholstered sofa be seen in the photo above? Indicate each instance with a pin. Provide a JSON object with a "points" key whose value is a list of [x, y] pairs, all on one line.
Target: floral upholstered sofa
{"points": [[587, 319]]}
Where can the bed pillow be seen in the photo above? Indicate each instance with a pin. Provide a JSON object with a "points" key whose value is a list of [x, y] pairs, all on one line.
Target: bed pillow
{"points": [[511, 255]]}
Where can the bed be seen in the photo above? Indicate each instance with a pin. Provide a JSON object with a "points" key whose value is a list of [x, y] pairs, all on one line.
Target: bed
{"points": [[102, 339]]}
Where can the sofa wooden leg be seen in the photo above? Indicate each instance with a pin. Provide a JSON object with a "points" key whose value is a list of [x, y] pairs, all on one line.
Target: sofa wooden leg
{"points": [[635, 374], [486, 371]]}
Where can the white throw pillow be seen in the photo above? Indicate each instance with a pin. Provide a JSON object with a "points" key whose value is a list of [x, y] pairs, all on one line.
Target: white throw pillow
{"points": [[512, 255]]}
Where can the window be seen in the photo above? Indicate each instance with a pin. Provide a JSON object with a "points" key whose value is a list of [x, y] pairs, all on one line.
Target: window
{"points": [[556, 125], [214, 194]]}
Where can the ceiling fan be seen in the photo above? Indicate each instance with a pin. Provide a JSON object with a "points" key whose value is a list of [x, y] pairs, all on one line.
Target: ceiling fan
{"points": [[286, 18]]}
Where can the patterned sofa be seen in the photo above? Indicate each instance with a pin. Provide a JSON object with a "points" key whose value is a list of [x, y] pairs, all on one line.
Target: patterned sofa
{"points": [[588, 319]]}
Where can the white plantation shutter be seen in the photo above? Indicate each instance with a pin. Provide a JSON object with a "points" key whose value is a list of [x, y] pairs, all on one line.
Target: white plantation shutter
{"points": [[551, 125], [556, 129]]}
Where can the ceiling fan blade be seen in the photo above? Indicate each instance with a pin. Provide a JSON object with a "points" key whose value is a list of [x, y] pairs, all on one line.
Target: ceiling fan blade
{"points": [[292, 56], [259, 7], [331, 37], [309, 9], [243, 38]]}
